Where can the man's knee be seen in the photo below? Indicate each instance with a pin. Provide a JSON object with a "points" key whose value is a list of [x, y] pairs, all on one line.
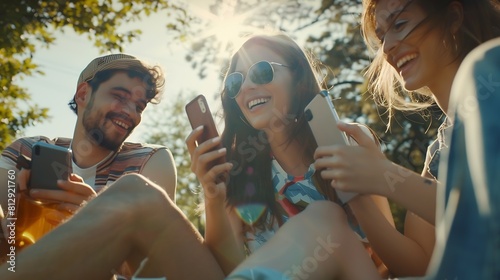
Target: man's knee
{"points": [[135, 184], [134, 191]]}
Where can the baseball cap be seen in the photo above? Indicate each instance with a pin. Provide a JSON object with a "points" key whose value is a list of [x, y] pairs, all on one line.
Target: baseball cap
{"points": [[112, 61], [118, 61]]}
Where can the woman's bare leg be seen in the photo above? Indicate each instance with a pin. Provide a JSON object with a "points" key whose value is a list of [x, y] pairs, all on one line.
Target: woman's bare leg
{"points": [[316, 244]]}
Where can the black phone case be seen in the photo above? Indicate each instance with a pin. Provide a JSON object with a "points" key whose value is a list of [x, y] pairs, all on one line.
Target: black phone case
{"points": [[49, 163]]}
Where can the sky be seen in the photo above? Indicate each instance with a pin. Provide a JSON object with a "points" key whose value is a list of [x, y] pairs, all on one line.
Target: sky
{"points": [[63, 61]]}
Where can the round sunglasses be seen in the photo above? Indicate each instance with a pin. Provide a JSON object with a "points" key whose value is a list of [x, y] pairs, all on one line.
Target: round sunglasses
{"points": [[260, 73]]}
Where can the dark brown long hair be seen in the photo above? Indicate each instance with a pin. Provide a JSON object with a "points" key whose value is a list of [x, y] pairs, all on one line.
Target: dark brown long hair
{"points": [[250, 181]]}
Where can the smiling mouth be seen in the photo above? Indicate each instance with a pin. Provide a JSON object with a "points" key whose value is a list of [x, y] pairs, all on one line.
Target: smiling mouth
{"points": [[403, 61], [121, 124], [256, 102]]}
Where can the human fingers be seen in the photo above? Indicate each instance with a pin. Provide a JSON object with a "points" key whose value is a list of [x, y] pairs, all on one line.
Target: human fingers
{"points": [[58, 196], [69, 207], [205, 160], [213, 175], [23, 179], [76, 185], [191, 139], [206, 171], [76, 178], [356, 132], [328, 151], [327, 161]]}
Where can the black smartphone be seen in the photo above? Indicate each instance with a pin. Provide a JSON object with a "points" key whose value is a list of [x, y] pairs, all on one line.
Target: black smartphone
{"points": [[49, 163]]}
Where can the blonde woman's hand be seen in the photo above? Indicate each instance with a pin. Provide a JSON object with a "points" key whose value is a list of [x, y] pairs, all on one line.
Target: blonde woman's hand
{"points": [[362, 169], [211, 176]]}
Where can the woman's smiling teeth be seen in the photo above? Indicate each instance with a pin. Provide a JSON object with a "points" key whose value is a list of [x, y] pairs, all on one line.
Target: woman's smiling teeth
{"points": [[405, 59], [258, 101]]}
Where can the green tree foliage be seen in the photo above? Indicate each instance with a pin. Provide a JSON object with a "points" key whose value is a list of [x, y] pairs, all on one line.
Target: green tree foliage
{"points": [[26, 25], [170, 128], [329, 29]]}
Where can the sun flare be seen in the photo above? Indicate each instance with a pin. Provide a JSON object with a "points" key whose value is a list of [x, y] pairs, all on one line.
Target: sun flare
{"points": [[226, 24]]}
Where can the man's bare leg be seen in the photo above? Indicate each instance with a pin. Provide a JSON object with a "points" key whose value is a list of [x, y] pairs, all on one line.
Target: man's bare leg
{"points": [[123, 220]]}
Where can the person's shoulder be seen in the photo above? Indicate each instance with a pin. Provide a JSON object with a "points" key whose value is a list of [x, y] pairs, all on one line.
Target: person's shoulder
{"points": [[476, 77], [24, 143], [23, 146], [129, 147], [33, 139], [483, 48], [484, 57]]}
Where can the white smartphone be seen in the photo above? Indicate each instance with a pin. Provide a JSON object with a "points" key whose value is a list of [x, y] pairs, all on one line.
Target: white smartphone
{"points": [[322, 118]]}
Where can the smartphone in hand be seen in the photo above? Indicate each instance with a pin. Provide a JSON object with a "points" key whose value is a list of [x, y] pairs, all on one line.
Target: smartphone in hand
{"points": [[322, 119], [49, 163], [199, 114]]}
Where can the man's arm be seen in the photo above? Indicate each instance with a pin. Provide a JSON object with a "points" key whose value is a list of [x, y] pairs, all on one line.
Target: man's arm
{"points": [[160, 168]]}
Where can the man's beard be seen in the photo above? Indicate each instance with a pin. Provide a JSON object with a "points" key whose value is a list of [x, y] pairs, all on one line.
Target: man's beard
{"points": [[97, 133]]}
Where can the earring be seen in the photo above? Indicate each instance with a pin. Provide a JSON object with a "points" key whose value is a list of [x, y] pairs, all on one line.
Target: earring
{"points": [[455, 42]]}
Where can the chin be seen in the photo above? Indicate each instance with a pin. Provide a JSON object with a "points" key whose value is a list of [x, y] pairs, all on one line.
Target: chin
{"points": [[411, 85]]}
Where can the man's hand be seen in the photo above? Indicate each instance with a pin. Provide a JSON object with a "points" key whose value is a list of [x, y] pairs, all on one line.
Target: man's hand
{"points": [[74, 193]]}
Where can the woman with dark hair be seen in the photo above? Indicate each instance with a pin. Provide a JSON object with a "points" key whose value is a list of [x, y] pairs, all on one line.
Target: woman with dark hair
{"points": [[269, 150]]}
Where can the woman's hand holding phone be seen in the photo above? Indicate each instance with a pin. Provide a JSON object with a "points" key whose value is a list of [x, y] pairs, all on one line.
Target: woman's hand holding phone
{"points": [[203, 163], [208, 157], [360, 168]]}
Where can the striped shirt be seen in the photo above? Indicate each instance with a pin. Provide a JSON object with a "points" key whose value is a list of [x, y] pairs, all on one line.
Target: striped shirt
{"points": [[130, 158]]}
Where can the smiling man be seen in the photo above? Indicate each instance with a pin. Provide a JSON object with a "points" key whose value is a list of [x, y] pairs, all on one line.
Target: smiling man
{"points": [[111, 95]]}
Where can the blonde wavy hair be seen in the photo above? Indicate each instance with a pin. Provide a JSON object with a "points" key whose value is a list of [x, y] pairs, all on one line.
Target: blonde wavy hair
{"points": [[481, 23]]}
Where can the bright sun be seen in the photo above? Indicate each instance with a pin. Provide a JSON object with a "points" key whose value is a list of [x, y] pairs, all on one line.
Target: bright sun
{"points": [[226, 26]]}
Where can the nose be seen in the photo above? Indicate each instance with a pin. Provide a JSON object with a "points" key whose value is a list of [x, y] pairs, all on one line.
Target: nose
{"points": [[129, 109], [390, 42], [247, 84]]}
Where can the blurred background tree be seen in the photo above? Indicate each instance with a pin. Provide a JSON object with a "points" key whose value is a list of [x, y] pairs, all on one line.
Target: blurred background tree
{"points": [[170, 130], [24, 25], [329, 29]]}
